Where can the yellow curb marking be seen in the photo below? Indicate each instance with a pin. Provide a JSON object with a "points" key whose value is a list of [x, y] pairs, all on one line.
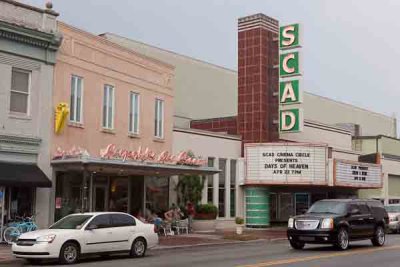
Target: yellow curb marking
{"points": [[320, 256]]}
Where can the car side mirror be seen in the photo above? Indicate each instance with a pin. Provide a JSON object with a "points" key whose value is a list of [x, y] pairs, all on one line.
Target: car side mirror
{"points": [[92, 227]]}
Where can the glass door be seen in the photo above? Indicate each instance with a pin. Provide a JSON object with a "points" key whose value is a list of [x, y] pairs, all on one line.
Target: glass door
{"points": [[100, 198], [302, 202]]}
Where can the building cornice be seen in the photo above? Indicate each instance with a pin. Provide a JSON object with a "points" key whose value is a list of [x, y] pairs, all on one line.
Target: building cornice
{"points": [[31, 37]]}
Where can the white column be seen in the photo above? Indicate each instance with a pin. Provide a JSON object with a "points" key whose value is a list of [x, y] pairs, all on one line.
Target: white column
{"points": [[215, 183], [205, 191], [228, 188]]}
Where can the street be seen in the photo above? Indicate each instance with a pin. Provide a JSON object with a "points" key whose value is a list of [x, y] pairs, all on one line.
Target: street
{"points": [[259, 254]]}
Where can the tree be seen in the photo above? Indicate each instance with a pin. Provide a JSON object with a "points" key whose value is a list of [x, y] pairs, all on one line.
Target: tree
{"points": [[190, 188]]}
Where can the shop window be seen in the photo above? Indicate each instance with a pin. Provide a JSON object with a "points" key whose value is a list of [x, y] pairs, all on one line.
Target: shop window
{"points": [[210, 182], [21, 199], [221, 188], [75, 113], [233, 188], [285, 206], [108, 107], [159, 119], [118, 194], [68, 194], [157, 195], [134, 113], [19, 97]]}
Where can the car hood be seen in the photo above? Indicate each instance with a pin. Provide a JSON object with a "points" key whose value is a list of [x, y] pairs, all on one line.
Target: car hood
{"points": [[38, 233], [315, 216]]}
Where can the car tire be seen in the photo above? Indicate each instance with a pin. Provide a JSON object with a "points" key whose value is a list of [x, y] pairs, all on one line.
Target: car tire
{"points": [[298, 245], [138, 248], [379, 236], [343, 240], [69, 253]]}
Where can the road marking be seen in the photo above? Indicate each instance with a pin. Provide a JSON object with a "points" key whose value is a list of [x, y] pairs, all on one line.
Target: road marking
{"points": [[320, 256]]}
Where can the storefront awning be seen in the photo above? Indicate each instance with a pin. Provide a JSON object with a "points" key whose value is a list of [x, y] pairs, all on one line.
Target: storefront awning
{"points": [[120, 167], [22, 174]]}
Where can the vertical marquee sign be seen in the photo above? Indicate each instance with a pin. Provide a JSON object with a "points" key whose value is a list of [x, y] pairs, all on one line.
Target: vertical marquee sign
{"points": [[290, 119]]}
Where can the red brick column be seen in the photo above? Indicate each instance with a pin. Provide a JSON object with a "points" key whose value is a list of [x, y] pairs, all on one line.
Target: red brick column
{"points": [[258, 78]]}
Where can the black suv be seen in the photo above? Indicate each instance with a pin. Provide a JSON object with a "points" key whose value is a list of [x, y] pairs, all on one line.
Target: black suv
{"points": [[338, 221]]}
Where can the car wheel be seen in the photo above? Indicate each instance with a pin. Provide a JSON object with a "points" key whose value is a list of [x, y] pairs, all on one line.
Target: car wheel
{"points": [[297, 244], [69, 253], [342, 239], [138, 248], [379, 237]]}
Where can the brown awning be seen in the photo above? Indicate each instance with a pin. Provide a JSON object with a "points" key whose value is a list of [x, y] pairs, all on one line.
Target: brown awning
{"points": [[120, 167], [22, 174]]}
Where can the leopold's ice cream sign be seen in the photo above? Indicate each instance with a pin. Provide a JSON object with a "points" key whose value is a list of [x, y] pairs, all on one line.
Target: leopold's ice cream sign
{"points": [[183, 158], [143, 155]]}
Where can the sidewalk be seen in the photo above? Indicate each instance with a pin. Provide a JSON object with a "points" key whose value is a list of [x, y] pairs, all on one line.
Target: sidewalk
{"points": [[190, 240]]}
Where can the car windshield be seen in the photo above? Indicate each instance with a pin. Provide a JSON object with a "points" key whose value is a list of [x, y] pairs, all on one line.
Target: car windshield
{"points": [[392, 208], [332, 207], [71, 222]]}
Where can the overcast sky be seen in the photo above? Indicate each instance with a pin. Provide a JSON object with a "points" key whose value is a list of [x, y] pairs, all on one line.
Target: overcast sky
{"points": [[350, 47]]}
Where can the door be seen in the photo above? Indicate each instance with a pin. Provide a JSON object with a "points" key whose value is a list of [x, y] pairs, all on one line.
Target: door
{"points": [[302, 203], [124, 228], [100, 198], [369, 220], [100, 238], [356, 221], [2, 210]]}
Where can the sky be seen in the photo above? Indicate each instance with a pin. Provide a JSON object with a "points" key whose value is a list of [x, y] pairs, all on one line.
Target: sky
{"points": [[350, 47]]}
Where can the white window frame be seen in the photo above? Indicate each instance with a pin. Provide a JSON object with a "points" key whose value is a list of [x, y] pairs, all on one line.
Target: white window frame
{"points": [[159, 133], [28, 104], [106, 95], [76, 99], [131, 111]]}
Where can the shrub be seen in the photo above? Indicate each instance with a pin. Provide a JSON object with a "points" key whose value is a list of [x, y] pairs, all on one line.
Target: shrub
{"points": [[239, 220], [206, 212]]}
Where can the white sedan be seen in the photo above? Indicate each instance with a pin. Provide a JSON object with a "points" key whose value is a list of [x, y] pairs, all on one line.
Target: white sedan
{"points": [[87, 233]]}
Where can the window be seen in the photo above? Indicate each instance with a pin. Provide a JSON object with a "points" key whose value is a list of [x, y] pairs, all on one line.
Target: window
{"points": [[159, 119], [121, 220], [134, 113], [19, 98], [101, 221], [75, 114], [210, 182], [233, 187], [363, 208], [108, 107], [71, 222], [221, 188]]}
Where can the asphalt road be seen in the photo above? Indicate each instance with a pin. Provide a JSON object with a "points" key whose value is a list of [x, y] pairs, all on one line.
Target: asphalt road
{"points": [[262, 253]]}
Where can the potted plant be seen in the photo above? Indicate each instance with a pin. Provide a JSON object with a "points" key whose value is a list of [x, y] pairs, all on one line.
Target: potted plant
{"points": [[204, 218], [239, 225]]}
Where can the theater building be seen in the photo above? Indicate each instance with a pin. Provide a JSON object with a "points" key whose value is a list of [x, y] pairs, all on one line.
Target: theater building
{"points": [[278, 173]]}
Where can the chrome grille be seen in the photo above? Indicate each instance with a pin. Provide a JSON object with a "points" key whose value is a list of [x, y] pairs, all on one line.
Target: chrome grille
{"points": [[26, 242], [306, 224]]}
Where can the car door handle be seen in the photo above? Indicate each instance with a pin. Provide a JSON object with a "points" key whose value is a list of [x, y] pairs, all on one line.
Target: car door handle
{"points": [[361, 219]]}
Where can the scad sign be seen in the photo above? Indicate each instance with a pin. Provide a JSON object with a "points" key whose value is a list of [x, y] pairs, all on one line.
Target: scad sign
{"points": [[290, 119]]}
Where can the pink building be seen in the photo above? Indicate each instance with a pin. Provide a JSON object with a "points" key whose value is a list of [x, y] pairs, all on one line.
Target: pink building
{"points": [[115, 96]]}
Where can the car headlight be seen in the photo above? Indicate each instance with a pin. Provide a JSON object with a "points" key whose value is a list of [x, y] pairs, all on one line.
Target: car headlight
{"points": [[46, 238], [327, 223], [290, 223]]}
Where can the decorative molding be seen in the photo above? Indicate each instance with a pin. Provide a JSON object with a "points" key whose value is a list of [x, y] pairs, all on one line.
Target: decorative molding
{"points": [[19, 144]]}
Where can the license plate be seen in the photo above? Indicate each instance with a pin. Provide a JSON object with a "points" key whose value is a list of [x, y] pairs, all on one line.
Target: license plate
{"points": [[307, 238]]}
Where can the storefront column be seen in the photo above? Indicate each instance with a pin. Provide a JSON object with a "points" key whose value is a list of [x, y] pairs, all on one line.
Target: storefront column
{"points": [[228, 188], [85, 181], [216, 184], [257, 207]]}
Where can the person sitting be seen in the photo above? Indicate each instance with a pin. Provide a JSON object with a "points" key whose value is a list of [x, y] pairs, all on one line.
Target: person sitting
{"points": [[174, 214]]}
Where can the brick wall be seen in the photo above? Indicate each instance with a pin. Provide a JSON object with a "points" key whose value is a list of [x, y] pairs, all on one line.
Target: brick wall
{"points": [[226, 124], [258, 78]]}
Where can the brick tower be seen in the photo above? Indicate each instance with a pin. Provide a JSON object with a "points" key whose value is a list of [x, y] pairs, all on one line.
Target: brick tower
{"points": [[258, 78]]}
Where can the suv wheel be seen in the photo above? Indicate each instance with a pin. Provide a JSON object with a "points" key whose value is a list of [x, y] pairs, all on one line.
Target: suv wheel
{"points": [[297, 244], [342, 239], [379, 237]]}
